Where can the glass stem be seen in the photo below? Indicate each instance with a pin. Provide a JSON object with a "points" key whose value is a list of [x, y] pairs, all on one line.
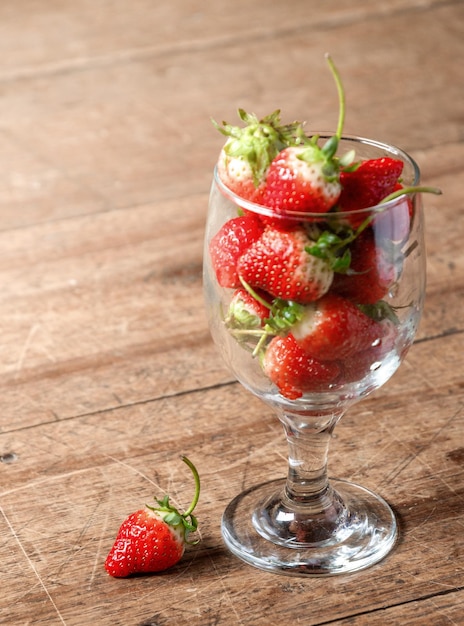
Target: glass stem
{"points": [[308, 511], [308, 449]]}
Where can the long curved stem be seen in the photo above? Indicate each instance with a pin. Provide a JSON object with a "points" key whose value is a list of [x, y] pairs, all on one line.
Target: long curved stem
{"points": [[196, 478], [341, 96]]}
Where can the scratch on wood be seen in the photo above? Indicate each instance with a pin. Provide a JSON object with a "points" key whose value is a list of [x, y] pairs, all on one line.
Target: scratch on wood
{"points": [[96, 563], [427, 382], [417, 455], [434, 582], [185, 599], [376, 453], [226, 592], [22, 355], [144, 476], [31, 565], [451, 621], [42, 481]]}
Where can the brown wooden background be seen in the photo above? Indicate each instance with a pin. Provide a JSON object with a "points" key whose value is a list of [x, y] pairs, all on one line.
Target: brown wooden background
{"points": [[107, 371]]}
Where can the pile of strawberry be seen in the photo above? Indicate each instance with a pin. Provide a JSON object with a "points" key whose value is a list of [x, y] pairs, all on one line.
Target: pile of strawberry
{"points": [[306, 298], [309, 296]]}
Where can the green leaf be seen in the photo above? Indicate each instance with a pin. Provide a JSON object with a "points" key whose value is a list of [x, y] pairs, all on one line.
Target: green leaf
{"points": [[283, 315], [347, 161], [173, 518], [342, 263], [330, 147], [164, 503], [332, 248]]}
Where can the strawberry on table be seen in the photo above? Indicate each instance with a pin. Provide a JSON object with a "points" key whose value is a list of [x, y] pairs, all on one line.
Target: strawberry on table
{"points": [[293, 371], [229, 243], [279, 264], [153, 539], [334, 328]]}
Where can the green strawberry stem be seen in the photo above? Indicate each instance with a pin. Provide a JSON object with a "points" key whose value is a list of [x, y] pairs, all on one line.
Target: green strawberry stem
{"points": [[331, 145], [196, 495], [341, 97], [282, 315], [171, 515], [253, 293], [406, 190], [392, 196]]}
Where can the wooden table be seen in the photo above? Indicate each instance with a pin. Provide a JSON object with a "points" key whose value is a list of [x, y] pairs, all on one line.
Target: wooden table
{"points": [[108, 372]]}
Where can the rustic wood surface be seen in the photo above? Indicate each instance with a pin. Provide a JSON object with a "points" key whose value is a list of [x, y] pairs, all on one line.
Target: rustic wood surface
{"points": [[107, 370]]}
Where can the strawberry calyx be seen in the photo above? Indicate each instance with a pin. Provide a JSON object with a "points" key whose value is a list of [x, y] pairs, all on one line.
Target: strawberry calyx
{"points": [[186, 521], [260, 140], [334, 249], [240, 317], [283, 314]]}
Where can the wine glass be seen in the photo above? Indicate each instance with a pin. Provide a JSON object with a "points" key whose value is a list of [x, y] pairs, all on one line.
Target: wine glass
{"points": [[305, 524]]}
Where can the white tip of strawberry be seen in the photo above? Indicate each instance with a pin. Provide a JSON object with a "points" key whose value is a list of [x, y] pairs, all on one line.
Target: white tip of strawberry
{"points": [[254, 145]]}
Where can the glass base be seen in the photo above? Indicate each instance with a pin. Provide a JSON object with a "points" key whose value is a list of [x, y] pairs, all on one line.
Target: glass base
{"points": [[364, 532]]}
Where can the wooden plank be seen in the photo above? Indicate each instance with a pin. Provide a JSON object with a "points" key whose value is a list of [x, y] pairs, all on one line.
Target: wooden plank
{"points": [[86, 33], [440, 610], [206, 413], [86, 130], [107, 370], [99, 311], [85, 474]]}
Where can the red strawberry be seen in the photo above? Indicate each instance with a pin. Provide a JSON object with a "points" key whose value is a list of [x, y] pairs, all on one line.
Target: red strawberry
{"points": [[297, 181], [371, 273], [334, 328], [237, 175], [248, 151], [367, 185], [278, 263], [293, 371], [355, 368], [229, 243], [394, 223], [153, 539], [306, 177]]}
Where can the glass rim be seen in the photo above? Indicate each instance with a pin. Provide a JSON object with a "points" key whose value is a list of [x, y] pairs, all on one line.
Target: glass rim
{"points": [[305, 215]]}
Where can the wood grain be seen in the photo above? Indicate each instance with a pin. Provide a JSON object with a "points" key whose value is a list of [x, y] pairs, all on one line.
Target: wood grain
{"points": [[108, 372]]}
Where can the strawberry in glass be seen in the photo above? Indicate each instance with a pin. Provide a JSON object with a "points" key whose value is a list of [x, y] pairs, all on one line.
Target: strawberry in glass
{"points": [[312, 308]]}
